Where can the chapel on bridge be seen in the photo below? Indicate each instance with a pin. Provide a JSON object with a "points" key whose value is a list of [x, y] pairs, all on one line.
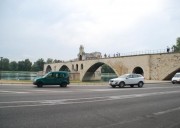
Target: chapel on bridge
{"points": [[87, 56]]}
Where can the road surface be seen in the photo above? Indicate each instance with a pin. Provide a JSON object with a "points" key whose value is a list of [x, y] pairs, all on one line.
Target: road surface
{"points": [[90, 106]]}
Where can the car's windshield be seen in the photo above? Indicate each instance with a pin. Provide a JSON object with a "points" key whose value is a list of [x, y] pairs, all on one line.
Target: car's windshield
{"points": [[177, 75], [123, 76]]}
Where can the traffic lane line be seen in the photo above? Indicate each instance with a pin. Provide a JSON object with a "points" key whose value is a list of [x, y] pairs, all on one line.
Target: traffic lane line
{"points": [[30, 91], [82, 90], [79, 100]]}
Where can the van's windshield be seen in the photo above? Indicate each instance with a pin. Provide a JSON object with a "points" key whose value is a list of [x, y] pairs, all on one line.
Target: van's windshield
{"points": [[46, 75]]}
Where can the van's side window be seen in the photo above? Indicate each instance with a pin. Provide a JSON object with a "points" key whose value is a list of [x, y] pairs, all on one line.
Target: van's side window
{"points": [[61, 75], [57, 75], [53, 75]]}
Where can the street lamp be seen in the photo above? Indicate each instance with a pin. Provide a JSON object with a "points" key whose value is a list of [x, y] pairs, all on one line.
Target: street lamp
{"points": [[1, 67]]}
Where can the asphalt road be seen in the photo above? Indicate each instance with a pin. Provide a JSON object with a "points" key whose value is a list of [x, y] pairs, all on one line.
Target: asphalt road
{"points": [[153, 106]]}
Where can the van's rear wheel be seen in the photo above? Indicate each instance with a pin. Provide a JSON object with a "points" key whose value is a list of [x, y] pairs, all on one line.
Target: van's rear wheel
{"points": [[63, 85]]}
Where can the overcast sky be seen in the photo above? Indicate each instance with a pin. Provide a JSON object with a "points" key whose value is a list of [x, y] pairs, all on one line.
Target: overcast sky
{"points": [[55, 29]]}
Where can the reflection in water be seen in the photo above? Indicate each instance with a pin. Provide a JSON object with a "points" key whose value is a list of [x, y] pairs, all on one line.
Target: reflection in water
{"points": [[107, 76], [8, 75]]}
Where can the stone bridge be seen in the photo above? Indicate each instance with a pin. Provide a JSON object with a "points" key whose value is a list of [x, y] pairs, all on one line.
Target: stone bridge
{"points": [[152, 66]]}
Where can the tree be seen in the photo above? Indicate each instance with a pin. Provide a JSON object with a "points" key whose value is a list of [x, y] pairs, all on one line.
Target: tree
{"points": [[27, 65], [13, 66], [21, 65], [57, 61], [5, 64], [177, 46], [38, 65], [49, 61], [106, 69]]}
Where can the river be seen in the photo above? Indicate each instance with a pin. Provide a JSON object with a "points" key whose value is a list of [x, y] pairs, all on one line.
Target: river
{"points": [[17, 75], [23, 75]]}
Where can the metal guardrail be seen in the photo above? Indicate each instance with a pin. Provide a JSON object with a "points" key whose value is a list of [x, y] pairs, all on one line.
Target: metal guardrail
{"points": [[145, 52], [135, 53]]}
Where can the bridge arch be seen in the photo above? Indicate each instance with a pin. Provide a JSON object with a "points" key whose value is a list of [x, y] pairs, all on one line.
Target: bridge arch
{"points": [[89, 74], [138, 70], [170, 75], [48, 69], [64, 68]]}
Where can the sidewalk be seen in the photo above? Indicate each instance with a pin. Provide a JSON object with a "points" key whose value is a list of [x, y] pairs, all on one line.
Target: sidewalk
{"points": [[156, 81]]}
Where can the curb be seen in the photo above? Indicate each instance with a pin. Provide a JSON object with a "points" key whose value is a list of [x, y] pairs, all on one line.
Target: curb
{"points": [[157, 82]]}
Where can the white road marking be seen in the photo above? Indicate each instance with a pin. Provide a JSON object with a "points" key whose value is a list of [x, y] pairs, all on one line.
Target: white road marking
{"points": [[31, 91], [78, 90], [1, 91], [79, 100], [139, 118], [119, 89], [167, 111]]}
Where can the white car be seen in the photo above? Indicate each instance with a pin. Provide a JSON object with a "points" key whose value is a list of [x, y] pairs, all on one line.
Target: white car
{"points": [[127, 79], [176, 78]]}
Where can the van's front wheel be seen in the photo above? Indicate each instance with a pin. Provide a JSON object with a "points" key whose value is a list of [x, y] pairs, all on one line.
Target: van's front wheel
{"points": [[39, 85]]}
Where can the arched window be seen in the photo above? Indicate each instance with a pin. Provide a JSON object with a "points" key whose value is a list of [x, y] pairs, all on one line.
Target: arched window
{"points": [[76, 67], [80, 57], [81, 66], [73, 67]]}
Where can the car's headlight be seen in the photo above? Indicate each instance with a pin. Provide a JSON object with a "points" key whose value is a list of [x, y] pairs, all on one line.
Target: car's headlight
{"points": [[116, 81]]}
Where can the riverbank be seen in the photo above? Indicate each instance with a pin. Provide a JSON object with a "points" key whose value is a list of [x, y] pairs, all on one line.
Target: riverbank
{"points": [[15, 81]]}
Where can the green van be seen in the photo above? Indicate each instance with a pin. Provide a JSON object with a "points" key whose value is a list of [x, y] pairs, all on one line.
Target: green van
{"points": [[53, 78]]}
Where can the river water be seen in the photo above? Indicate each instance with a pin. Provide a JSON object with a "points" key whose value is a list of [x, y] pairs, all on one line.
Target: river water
{"points": [[20, 75]]}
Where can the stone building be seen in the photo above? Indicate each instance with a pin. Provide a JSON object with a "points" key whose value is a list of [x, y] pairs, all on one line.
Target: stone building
{"points": [[87, 56]]}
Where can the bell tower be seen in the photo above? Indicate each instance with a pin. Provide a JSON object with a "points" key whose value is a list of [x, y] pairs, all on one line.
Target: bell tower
{"points": [[81, 52], [81, 49]]}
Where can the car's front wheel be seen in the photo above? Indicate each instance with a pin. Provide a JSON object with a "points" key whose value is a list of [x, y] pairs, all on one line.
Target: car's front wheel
{"points": [[121, 84], [113, 86], [140, 84]]}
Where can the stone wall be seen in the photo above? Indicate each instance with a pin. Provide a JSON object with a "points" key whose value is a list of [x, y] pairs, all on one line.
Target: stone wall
{"points": [[164, 66]]}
